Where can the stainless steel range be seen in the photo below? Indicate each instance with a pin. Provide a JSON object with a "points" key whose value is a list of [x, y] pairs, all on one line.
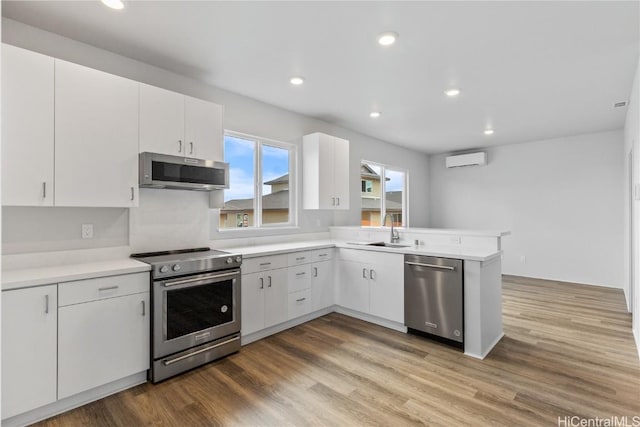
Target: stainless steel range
{"points": [[195, 296]]}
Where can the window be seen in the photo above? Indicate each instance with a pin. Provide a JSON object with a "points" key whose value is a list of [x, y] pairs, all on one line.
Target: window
{"points": [[261, 178], [384, 192], [367, 186]]}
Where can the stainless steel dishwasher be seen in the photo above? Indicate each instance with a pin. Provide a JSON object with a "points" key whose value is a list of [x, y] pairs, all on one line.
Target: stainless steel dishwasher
{"points": [[434, 298]]}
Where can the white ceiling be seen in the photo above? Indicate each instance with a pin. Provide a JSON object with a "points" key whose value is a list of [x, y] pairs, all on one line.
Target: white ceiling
{"points": [[531, 70]]}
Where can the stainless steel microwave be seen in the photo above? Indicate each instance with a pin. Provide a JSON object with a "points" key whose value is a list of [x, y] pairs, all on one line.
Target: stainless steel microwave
{"points": [[182, 173]]}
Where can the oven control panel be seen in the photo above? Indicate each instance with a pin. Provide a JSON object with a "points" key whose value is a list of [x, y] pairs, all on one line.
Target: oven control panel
{"points": [[181, 268]]}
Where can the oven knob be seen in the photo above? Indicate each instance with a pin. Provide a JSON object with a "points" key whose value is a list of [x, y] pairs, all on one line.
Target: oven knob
{"points": [[229, 260], [238, 258], [176, 267], [164, 269]]}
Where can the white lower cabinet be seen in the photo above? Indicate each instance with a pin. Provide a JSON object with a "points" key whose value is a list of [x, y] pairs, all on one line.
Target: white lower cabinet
{"points": [[264, 299], [372, 283], [322, 285], [103, 333], [29, 323]]}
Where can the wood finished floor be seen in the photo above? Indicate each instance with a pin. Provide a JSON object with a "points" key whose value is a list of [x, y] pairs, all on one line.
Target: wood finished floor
{"points": [[567, 351]]}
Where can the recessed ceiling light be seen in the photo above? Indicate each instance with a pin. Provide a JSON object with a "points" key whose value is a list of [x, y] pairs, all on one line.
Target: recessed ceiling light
{"points": [[488, 131], [452, 92], [387, 38], [375, 114], [113, 4], [297, 81]]}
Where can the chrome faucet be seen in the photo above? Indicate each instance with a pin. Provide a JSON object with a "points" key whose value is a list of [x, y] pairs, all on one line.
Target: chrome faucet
{"points": [[395, 237]]}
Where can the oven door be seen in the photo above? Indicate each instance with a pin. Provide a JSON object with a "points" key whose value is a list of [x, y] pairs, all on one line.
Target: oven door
{"points": [[192, 310]]}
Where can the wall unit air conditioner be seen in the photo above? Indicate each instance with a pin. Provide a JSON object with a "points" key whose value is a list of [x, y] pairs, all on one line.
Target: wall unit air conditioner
{"points": [[471, 159]]}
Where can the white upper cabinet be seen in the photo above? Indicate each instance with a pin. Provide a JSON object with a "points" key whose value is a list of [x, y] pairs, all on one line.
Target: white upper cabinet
{"points": [[179, 125], [203, 129], [96, 138], [161, 121], [27, 128], [325, 168]]}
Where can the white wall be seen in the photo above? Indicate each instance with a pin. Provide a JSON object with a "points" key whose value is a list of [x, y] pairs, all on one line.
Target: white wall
{"points": [[561, 199], [148, 227], [632, 141]]}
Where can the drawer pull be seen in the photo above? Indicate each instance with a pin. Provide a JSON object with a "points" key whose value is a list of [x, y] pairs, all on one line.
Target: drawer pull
{"points": [[301, 258], [264, 264], [108, 288], [211, 347], [300, 299], [320, 255], [301, 274]]}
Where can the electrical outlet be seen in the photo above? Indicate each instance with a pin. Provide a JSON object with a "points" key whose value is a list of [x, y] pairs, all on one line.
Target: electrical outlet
{"points": [[87, 231], [523, 258]]}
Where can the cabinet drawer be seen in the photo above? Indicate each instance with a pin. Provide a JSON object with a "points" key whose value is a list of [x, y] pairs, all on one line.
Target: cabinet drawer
{"points": [[299, 304], [263, 263], [299, 278], [297, 258], [103, 287], [322, 254]]}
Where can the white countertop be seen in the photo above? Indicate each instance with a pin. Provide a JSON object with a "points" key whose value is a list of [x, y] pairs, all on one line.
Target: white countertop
{"points": [[22, 276], [457, 252], [443, 231], [26, 277]]}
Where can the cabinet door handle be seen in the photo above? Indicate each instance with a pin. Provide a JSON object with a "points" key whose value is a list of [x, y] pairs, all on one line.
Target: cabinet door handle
{"points": [[46, 304], [315, 271], [301, 299], [372, 274], [44, 190], [333, 201], [261, 283], [269, 285], [179, 146], [108, 288], [337, 201], [144, 309], [191, 147], [132, 193], [364, 273]]}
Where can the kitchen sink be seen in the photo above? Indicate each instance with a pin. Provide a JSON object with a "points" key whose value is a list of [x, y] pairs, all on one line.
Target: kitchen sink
{"points": [[387, 245]]}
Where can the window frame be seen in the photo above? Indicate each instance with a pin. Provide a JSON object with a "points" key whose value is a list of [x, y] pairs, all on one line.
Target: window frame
{"points": [[258, 182], [383, 199]]}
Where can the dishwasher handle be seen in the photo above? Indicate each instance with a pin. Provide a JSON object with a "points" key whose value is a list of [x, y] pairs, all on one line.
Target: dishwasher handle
{"points": [[421, 264]]}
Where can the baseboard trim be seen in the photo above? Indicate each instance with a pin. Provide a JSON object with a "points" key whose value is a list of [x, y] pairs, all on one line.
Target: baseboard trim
{"points": [[514, 278], [263, 333], [75, 401], [487, 351], [371, 319]]}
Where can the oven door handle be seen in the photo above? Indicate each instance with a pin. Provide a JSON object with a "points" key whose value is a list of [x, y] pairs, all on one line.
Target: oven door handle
{"points": [[202, 350], [200, 279]]}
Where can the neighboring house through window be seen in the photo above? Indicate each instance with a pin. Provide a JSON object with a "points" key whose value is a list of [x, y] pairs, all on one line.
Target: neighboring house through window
{"points": [[377, 180], [260, 192]]}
